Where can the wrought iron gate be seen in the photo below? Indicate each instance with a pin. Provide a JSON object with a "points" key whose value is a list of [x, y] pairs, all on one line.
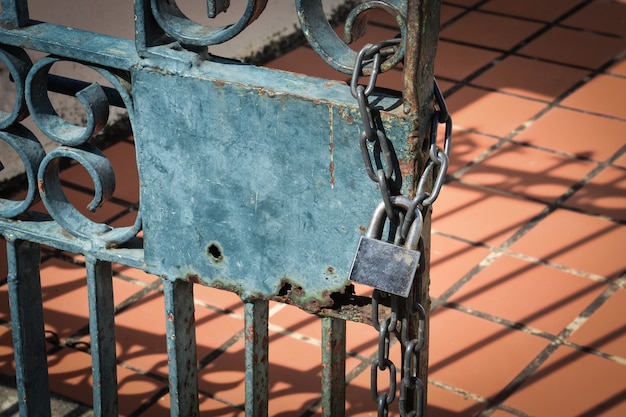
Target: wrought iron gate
{"points": [[251, 180]]}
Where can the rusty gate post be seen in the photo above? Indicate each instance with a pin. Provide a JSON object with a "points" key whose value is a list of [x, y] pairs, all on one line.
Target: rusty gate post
{"points": [[333, 367], [419, 71]]}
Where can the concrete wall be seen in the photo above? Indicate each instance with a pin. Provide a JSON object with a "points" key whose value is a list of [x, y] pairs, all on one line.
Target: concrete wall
{"points": [[116, 18]]}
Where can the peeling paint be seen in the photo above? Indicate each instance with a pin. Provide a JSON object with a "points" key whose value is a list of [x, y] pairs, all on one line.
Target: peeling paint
{"points": [[344, 114]]}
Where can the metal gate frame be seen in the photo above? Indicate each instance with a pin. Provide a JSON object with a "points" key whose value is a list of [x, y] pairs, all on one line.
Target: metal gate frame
{"points": [[210, 227]]}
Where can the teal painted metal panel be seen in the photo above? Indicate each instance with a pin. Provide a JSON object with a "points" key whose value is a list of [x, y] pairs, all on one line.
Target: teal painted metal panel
{"points": [[266, 187]]}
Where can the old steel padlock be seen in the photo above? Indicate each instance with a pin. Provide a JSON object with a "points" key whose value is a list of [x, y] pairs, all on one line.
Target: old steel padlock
{"points": [[385, 266]]}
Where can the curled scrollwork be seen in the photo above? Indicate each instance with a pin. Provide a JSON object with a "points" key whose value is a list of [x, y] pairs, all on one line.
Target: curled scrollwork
{"points": [[31, 153], [18, 64], [33, 82], [53, 197], [177, 25], [62, 210], [93, 99], [336, 51]]}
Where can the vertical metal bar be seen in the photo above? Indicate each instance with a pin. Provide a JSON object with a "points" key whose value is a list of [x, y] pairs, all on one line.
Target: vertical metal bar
{"points": [[181, 348], [333, 367], [147, 31], [14, 13], [102, 331], [418, 87], [257, 362], [29, 340]]}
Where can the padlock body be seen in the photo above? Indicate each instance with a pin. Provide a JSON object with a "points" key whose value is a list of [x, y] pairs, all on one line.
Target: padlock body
{"points": [[384, 266]]}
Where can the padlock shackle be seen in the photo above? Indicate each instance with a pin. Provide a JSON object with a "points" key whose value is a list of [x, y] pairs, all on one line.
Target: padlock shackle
{"points": [[377, 221], [415, 232]]}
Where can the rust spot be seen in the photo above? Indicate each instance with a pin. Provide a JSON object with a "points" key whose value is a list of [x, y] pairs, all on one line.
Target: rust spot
{"points": [[193, 278], [345, 116], [331, 166], [407, 167], [413, 140], [330, 270], [250, 334], [313, 306], [362, 229], [67, 234], [170, 317], [287, 289], [268, 93], [219, 83], [40, 186]]}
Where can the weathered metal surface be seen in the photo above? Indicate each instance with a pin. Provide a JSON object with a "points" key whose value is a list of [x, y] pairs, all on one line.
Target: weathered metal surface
{"points": [[423, 23], [292, 204], [264, 174], [251, 180], [31, 366], [180, 329], [14, 13], [73, 44], [256, 314], [40, 228], [334, 50], [333, 367], [102, 333]]}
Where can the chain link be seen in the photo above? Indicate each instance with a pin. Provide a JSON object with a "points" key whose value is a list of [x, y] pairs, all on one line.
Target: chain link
{"points": [[374, 55], [429, 185]]}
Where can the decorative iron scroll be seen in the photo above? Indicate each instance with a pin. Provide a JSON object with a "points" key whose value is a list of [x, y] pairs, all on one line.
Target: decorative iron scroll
{"points": [[168, 52], [336, 51], [251, 179], [180, 27], [42, 171]]}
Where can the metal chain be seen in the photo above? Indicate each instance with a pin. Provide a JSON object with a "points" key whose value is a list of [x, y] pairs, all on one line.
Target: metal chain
{"points": [[373, 55], [434, 173], [382, 363], [411, 382]]}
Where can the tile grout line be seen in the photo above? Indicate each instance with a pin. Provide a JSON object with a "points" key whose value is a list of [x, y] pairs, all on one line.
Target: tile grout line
{"points": [[547, 26], [496, 252], [465, 12], [467, 81], [541, 358], [201, 364], [556, 103], [591, 174], [576, 323], [509, 138], [475, 397]]}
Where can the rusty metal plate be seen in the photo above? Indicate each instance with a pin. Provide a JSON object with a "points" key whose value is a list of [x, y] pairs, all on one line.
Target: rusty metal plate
{"points": [[256, 181]]}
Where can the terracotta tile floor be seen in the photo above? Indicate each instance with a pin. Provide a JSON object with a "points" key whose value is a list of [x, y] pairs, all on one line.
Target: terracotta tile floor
{"points": [[528, 247]]}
